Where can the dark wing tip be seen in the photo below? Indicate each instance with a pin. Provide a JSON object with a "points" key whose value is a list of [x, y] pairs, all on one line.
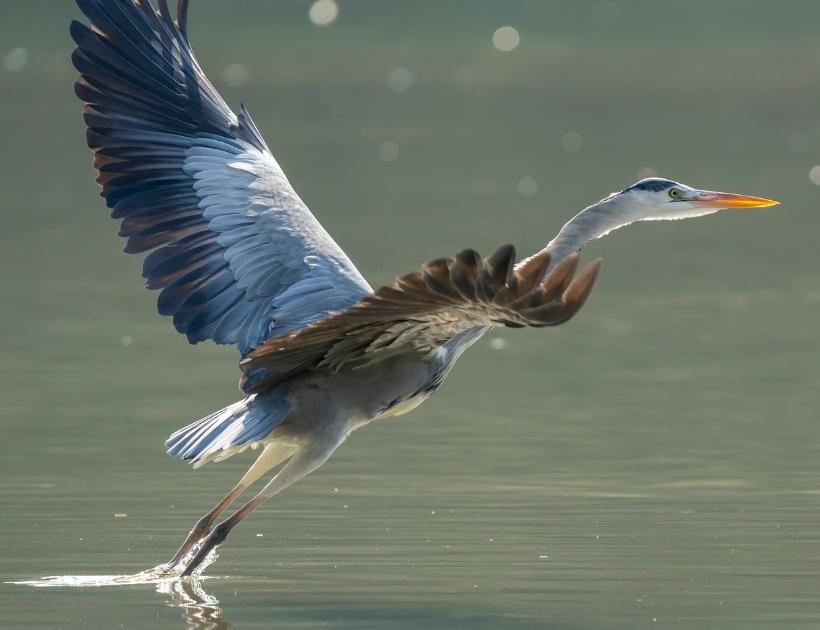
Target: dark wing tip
{"points": [[77, 29], [500, 266], [560, 277], [531, 270], [580, 288], [464, 272], [494, 273], [577, 293], [436, 275], [504, 256], [558, 297], [163, 9], [182, 17]]}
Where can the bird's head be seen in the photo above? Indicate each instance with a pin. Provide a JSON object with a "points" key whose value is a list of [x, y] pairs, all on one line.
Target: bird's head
{"points": [[651, 199], [658, 199]]}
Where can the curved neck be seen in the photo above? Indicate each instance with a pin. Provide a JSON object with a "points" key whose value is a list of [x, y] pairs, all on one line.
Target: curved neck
{"points": [[593, 222]]}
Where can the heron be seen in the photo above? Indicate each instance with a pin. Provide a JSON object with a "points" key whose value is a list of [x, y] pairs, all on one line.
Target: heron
{"points": [[239, 259]]}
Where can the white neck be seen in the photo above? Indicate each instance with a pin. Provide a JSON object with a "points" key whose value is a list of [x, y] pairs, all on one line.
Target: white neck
{"points": [[593, 222]]}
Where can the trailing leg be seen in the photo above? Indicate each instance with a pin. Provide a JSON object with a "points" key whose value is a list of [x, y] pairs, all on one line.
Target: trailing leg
{"points": [[302, 463], [272, 455]]}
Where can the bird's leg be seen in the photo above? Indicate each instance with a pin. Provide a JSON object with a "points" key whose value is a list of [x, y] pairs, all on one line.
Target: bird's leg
{"points": [[274, 453], [303, 462], [203, 526]]}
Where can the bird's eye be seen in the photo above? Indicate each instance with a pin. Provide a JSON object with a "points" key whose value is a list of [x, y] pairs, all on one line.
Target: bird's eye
{"points": [[673, 192]]}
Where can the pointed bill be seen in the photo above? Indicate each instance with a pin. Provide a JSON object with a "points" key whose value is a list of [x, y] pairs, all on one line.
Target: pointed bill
{"points": [[713, 199]]}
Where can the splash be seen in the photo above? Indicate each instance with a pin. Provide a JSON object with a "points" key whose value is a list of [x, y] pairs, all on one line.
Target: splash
{"points": [[199, 608], [161, 575]]}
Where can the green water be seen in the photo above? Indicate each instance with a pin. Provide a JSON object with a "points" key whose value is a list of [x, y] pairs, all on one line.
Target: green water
{"points": [[652, 464]]}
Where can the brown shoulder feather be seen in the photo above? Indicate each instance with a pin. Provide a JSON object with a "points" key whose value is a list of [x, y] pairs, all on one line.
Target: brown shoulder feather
{"points": [[422, 310]]}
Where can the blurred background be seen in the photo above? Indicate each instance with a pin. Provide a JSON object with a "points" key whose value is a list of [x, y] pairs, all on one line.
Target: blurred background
{"points": [[652, 464]]}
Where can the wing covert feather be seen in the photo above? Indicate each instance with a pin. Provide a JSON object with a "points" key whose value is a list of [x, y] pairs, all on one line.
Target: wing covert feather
{"points": [[421, 311]]}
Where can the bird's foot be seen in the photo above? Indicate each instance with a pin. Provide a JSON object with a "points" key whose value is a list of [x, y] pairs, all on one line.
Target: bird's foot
{"points": [[196, 567], [175, 566], [189, 548], [168, 569], [206, 553]]}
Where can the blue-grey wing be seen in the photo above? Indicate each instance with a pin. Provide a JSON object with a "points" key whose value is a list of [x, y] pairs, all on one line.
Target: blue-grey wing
{"points": [[236, 253]]}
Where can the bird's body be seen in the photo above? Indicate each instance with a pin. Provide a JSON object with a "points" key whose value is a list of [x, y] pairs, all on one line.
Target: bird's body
{"points": [[316, 404], [240, 260]]}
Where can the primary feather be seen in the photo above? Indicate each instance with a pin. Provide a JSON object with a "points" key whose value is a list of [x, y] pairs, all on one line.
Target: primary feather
{"points": [[236, 253]]}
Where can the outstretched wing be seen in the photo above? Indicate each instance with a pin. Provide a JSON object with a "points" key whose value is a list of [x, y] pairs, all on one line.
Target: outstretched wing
{"points": [[423, 310], [237, 254]]}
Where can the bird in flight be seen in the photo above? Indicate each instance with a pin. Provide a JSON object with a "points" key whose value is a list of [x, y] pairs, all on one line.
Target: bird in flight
{"points": [[239, 259]]}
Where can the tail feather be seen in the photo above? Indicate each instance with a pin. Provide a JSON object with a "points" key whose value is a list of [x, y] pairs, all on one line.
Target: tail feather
{"points": [[239, 426]]}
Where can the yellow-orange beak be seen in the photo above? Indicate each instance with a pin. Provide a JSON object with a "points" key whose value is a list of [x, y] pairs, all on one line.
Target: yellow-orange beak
{"points": [[712, 199]]}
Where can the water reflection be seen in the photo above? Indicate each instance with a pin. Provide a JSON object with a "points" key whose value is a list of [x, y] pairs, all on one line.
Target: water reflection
{"points": [[200, 609]]}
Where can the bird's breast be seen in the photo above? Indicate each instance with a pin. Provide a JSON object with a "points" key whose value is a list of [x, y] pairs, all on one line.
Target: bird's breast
{"points": [[402, 406], [412, 399], [389, 388]]}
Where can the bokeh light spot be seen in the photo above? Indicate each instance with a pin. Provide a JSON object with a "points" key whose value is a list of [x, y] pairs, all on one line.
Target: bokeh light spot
{"points": [[506, 39], [498, 343], [15, 60], [236, 75], [527, 186], [323, 12], [647, 171], [388, 151], [572, 141], [814, 175], [400, 79]]}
